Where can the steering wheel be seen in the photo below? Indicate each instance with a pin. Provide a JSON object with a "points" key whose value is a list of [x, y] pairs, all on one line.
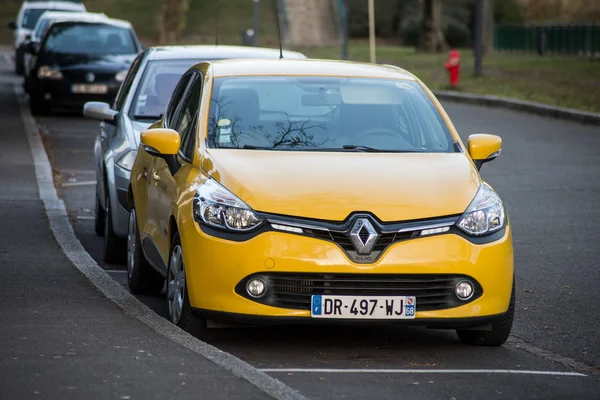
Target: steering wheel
{"points": [[378, 131]]}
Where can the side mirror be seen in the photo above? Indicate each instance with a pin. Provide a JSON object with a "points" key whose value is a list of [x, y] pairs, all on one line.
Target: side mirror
{"points": [[28, 36], [12, 25], [100, 112], [32, 47], [484, 148], [160, 142]]}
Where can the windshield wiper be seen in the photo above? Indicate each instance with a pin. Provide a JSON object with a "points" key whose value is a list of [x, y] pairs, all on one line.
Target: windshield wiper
{"points": [[368, 149], [152, 117], [253, 147], [362, 148]]}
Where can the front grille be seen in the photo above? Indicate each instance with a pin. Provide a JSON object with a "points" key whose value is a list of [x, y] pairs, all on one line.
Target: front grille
{"points": [[288, 290], [80, 76], [342, 239]]}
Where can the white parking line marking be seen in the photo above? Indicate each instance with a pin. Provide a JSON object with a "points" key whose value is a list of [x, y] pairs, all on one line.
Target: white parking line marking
{"points": [[419, 371], [81, 183], [85, 217], [115, 271]]}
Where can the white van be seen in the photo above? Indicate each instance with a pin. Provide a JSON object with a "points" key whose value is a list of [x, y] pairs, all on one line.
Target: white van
{"points": [[28, 15]]}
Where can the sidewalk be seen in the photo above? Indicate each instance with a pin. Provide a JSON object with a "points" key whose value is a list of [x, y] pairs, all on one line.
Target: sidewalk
{"points": [[59, 337]]}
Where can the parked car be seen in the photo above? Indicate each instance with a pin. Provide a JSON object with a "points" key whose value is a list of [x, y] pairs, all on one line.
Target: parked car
{"points": [[141, 101], [27, 17], [80, 61], [45, 21], [312, 191]]}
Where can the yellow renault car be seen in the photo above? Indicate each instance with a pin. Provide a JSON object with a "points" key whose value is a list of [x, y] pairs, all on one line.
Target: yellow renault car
{"points": [[307, 191]]}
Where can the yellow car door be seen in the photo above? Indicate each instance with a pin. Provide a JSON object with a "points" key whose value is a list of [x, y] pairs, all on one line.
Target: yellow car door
{"points": [[173, 169]]}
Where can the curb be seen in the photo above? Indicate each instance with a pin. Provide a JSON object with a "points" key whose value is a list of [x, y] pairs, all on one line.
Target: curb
{"points": [[545, 110], [73, 249]]}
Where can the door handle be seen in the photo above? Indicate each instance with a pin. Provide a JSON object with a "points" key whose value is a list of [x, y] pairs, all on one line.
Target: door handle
{"points": [[156, 176]]}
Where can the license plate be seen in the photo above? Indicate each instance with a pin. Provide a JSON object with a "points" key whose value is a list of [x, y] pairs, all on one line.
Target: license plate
{"points": [[363, 307], [89, 89]]}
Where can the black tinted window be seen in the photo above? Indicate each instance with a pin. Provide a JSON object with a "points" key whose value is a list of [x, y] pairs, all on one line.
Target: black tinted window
{"points": [[188, 116], [90, 39], [178, 93]]}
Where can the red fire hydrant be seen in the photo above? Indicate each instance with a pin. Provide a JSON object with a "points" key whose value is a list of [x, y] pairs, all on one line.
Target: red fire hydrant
{"points": [[453, 66]]}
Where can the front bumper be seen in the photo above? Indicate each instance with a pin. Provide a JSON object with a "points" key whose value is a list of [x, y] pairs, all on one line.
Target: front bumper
{"points": [[215, 266]]}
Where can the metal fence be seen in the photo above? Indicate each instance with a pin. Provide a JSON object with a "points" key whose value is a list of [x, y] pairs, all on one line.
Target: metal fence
{"points": [[580, 39]]}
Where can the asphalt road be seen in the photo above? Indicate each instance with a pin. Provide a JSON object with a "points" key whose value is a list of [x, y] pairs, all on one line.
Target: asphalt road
{"points": [[549, 178]]}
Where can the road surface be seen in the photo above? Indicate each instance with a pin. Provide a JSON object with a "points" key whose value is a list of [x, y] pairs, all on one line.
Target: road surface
{"points": [[549, 177]]}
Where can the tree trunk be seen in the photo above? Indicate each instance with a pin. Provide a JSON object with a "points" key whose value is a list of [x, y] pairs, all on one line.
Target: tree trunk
{"points": [[172, 20], [431, 39], [488, 26]]}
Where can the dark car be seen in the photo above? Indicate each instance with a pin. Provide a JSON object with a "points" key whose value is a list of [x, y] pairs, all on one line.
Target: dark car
{"points": [[80, 61]]}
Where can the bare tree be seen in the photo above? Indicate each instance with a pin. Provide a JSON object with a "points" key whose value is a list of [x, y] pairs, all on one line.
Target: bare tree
{"points": [[172, 20], [432, 38]]}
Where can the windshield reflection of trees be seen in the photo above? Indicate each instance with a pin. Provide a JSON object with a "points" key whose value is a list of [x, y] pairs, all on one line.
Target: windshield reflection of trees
{"points": [[274, 134]]}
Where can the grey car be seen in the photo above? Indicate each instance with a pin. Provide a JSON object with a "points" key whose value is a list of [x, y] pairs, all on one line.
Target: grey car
{"points": [[141, 101]]}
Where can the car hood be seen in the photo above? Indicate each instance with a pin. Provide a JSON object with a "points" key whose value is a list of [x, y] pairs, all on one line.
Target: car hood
{"points": [[331, 186], [90, 62]]}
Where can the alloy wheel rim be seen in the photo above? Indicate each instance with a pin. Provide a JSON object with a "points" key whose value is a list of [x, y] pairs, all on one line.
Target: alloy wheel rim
{"points": [[131, 242], [176, 285]]}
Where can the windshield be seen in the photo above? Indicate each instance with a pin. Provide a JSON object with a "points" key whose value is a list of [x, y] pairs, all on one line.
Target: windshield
{"points": [[326, 114], [92, 39], [40, 27], [31, 16], [157, 85]]}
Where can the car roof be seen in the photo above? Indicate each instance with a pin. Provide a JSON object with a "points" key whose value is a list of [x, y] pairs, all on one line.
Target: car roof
{"points": [[74, 14], [217, 52], [63, 5], [270, 67], [105, 21]]}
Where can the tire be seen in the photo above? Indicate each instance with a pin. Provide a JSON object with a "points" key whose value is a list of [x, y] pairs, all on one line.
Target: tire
{"points": [[115, 248], [141, 277], [500, 329], [38, 106], [98, 216], [179, 310], [19, 65]]}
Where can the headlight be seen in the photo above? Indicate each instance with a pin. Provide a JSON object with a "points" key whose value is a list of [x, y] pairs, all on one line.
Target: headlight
{"points": [[121, 75], [485, 214], [47, 72], [126, 162], [218, 207]]}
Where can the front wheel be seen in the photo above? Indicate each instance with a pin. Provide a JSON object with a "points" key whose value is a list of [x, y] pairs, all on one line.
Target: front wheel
{"points": [[114, 246], [19, 64], [98, 216], [180, 311], [500, 329], [38, 106]]}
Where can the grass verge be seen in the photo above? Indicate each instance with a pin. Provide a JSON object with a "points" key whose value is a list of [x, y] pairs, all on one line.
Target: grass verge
{"points": [[572, 82]]}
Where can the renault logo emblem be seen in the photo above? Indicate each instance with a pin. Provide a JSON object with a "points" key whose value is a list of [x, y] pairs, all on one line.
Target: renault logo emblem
{"points": [[363, 236], [90, 77]]}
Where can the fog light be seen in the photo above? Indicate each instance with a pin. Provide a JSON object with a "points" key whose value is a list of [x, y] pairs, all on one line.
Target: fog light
{"points": [[464, 290], [256, 287]]}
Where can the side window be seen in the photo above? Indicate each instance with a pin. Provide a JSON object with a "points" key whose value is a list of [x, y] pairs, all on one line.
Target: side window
{"points": [[176, 98], [126, 85], [188, 116]]}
